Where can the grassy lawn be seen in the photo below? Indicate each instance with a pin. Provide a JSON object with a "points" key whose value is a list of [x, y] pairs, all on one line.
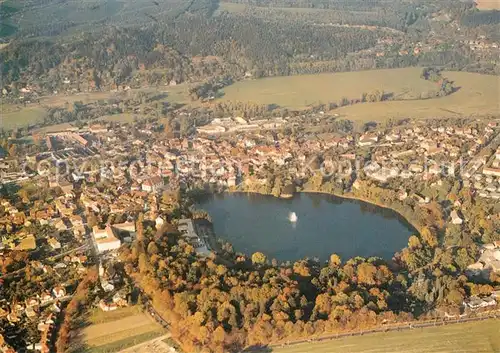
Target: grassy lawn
{"points": [[478, 94], [12, 117], [475, 337]]}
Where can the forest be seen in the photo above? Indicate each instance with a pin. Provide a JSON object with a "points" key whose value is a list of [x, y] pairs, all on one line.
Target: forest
{"points": [[197, 45]]}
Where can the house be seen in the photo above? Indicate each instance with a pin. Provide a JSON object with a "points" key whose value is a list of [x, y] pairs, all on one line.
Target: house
{"points": [[105, 239], [455, 218], [54, 243], [491, 171], [159, 222], [27, 243], [45, 297], [59, 292], [153, 184], [107, 307], [367, 139], [190, 235], [65, 186], [125, 227], [478, 303], [30, 312]]}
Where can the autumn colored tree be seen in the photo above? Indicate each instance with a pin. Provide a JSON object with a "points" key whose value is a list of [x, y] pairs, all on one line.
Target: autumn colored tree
{"points": [[259, 258]]}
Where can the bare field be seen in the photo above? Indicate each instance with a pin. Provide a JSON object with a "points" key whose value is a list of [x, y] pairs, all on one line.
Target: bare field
{"points": [[123, 325], [488, 4], [476, 337], [478, 94]]}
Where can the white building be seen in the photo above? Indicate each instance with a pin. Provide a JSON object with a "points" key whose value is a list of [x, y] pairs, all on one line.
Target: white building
{"points": [[105, 239], [455, 218]]}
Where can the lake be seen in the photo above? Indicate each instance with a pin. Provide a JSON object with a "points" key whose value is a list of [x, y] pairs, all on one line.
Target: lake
{"points": [[325, 224]]}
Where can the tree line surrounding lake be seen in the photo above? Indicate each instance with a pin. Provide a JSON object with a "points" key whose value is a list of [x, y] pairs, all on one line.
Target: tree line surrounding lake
{"points": [[233, 301]]}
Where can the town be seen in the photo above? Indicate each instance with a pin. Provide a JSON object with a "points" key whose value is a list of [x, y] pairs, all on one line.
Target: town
{"points": [[82, 194]]}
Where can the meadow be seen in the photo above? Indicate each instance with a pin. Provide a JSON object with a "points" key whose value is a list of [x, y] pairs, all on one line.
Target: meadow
{"points": [[12, 116], [477, 94], [475, 337]]}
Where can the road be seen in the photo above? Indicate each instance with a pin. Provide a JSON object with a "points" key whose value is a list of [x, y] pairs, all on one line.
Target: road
{"points": [[154, 345]]}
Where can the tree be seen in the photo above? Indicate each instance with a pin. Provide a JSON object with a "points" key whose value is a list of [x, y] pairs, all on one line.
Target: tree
{"points": [[335, 260], [455, 297], [152, 248], [429, 237], [13, 150], [463, 259], [414, 242], [259, 258], [366, 273]]}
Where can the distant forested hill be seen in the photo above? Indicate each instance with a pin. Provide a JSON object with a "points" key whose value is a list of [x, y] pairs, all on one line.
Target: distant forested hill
{"points": [[105, 43]]}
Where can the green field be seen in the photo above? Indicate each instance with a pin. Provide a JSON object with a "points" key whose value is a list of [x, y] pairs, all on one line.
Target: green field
{"points": [[476, 337], [126, 342], [12, 117], [478, 94]]}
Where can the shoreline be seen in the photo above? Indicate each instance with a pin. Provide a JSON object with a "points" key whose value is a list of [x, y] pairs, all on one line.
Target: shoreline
{"points": [[343, 196]]}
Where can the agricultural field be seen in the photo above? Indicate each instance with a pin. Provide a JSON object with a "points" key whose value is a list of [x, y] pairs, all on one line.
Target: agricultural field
{"points": [[475, 337], [488, 4], [113, 331], [477, 94], [12, 116]]}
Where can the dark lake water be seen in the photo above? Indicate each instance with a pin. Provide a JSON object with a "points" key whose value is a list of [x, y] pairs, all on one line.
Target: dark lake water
{"points": [[326, 224]]}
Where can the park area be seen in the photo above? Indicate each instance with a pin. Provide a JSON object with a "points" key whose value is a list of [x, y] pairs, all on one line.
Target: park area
{"points": [[477, 94], [115, 331], [475, 337]]}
